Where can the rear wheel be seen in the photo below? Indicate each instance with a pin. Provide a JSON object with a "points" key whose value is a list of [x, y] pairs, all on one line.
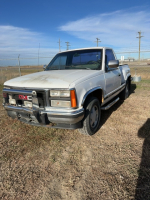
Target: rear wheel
{"points": [[125, 93], [91, 123]]}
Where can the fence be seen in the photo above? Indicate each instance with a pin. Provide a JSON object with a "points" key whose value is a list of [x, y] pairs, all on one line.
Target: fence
{"points": [[134, 55], [9, 66], [7, 73]]}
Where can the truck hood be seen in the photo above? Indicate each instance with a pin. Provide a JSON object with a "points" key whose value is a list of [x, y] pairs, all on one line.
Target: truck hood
{"points": [[50, 79]]}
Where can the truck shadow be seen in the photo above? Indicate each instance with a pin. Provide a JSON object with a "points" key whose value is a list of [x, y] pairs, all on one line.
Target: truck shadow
{"points": [[106, 114], [133, 88], [143, 182]]}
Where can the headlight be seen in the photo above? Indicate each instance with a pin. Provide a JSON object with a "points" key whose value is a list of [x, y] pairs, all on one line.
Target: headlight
{"points": [[68, 99], [61, 93]]}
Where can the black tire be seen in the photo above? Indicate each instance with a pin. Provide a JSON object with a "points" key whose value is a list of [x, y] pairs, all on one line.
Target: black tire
{"points": [[91, 122], [125, 93]]}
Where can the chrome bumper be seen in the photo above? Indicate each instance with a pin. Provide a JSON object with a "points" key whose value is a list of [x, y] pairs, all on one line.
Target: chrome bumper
{"points": [[68, 117], [18, 109]]}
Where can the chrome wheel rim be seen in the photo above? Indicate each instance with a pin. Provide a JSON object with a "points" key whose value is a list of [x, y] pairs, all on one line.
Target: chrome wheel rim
{"points": [[94, 116]]}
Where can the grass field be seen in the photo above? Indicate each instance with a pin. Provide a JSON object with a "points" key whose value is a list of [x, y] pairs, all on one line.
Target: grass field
{"points": [[42, 163]]}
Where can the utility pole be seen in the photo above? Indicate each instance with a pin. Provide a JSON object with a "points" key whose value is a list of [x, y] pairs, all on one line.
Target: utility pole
{"points": [[38, 54], [139, 42], [67, 43], [19, 65], [98, 40], [59, 45]]}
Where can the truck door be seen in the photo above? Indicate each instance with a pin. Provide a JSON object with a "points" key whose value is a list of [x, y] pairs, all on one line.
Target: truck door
{"points": [[112, 75]]}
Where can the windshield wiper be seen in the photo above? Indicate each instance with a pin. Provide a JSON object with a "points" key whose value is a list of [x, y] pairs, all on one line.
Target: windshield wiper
{"points": [[85, 68]]}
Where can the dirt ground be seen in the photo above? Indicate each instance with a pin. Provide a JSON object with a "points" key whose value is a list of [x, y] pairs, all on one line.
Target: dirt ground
{"points": [[42, 163]]}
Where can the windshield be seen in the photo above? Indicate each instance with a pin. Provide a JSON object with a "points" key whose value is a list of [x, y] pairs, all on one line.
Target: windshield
{"points": [[80, 59]]}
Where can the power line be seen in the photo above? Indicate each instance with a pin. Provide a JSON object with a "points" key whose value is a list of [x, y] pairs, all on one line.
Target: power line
{"points": [[38, 54], [19, 65], [139, 42], [97, 41], [67, 43], [132, 52], [24, 58], [59, 45]]}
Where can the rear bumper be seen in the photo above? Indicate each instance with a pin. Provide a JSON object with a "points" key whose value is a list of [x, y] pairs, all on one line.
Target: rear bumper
{"points": [[42, 117]]}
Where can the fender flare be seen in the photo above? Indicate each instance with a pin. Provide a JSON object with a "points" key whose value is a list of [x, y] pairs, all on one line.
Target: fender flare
{"points": [[128, 75], [89, 92]]}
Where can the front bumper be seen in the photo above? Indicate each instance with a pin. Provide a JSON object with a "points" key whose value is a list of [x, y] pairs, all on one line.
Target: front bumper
{"points": [[63, 119]]}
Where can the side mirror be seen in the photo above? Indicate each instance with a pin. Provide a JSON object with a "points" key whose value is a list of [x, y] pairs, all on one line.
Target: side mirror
{"points": [[113, 63], [44, 67]]}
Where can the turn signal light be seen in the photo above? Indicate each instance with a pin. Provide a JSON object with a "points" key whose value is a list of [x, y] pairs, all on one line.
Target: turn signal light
{"points": [[4, 95], [73, 99]]}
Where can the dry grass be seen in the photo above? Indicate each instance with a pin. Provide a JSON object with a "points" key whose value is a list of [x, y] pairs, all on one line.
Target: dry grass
{"points": [[42, 163]]}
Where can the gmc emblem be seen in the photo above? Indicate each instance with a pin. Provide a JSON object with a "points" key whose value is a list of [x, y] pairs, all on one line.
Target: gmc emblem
{"points": [[24, 97]]}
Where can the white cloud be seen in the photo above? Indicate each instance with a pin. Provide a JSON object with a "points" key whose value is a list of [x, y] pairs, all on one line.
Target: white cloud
{"points": [[11, 36], [118, 29], [16, 40]]}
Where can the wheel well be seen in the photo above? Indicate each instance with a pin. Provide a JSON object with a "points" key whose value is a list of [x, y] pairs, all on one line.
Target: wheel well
{"points": [[97, 93]]}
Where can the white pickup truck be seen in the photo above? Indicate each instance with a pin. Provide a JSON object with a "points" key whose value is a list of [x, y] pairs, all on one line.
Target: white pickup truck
{"points": [[71, 92]]}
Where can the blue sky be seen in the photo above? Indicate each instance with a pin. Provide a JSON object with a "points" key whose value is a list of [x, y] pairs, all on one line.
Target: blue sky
{"points": [[31, 27]]}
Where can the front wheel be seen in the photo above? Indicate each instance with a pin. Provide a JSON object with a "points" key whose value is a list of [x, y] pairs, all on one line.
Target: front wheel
{"points": [[91, 123]]}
